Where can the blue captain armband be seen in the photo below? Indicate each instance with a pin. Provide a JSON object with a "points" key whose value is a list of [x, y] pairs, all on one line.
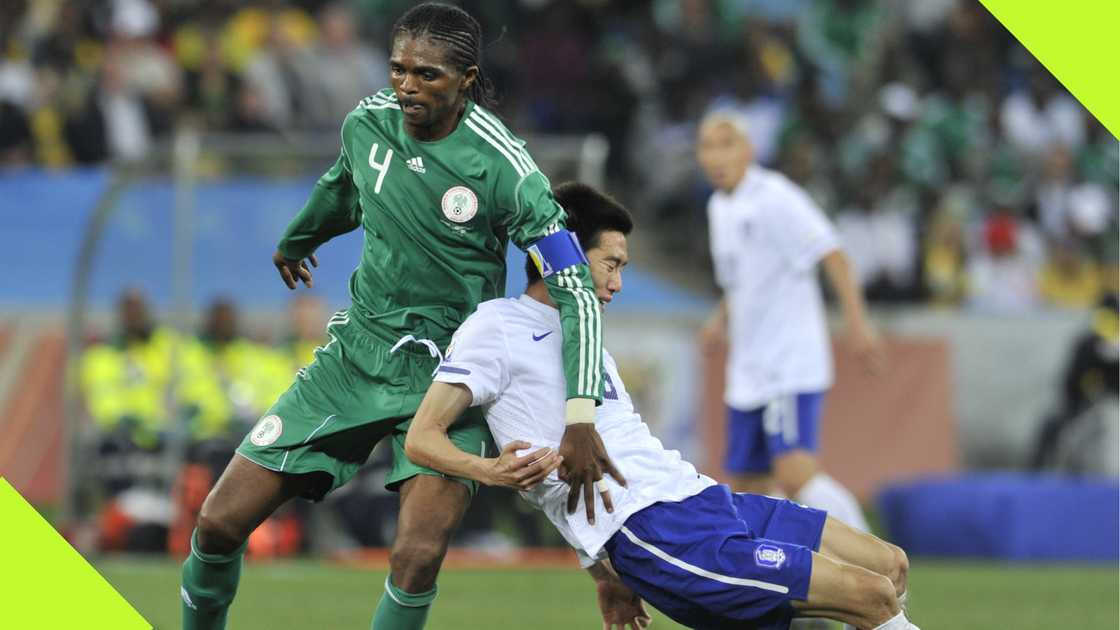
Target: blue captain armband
{"points": [[556, 252]]}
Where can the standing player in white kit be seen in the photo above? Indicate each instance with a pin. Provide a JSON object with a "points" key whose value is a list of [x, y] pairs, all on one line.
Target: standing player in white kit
{"points": [[767, 238]]}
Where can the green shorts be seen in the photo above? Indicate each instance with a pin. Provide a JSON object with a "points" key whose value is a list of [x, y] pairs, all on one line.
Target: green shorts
{"points": [[352, 395]]}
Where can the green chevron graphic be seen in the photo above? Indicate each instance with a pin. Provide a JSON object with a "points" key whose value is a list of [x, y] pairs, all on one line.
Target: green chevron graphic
{"points": [[1079, 43], [45, 584]]}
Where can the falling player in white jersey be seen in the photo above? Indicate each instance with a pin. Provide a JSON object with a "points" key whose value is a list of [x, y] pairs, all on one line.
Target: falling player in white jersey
{"points": [[767, 237], [703, 555]]}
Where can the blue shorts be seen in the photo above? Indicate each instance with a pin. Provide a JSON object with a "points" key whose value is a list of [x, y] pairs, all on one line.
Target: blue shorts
{"points": [[719, 559], [757, 436]]}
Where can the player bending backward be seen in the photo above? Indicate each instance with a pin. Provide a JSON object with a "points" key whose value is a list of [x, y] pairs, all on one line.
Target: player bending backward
{"points": [[700, 553], [438, 185]]}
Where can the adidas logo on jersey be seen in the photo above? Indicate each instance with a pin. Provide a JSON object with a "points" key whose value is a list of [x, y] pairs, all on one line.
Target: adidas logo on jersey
{"points": [[416, 164]]}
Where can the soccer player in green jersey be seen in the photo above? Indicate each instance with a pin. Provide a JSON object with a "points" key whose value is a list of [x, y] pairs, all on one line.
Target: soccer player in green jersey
{"points": [[438, 185]]}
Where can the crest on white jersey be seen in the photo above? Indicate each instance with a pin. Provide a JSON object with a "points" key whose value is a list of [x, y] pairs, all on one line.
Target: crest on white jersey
{"points": [[460, 204], [267, 431]]}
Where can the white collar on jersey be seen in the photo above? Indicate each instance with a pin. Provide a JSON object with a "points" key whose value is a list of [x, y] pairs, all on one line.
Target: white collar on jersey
{"points": [[550, 312]]}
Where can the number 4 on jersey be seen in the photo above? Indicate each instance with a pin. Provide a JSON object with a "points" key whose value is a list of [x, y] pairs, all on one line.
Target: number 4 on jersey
{"points": [[381, 167]]}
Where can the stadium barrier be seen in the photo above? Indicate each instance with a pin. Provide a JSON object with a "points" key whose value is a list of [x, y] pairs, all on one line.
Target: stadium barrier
{"points": [[1007, 516]]}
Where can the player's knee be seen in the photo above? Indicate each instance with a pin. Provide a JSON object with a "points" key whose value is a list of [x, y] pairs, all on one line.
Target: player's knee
{"points": [[217, 535], [416, 563]]}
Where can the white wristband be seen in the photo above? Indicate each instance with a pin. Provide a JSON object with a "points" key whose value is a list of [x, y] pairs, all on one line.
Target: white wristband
{"points": [[579, 410]]}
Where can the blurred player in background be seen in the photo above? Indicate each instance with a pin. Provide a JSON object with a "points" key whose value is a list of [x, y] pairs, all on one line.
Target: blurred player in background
{"points": [[701, 554], [438, 185], [767, 237]]}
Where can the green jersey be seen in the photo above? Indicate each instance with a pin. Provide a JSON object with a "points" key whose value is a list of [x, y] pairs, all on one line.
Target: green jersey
{"points": [[436, 218]]}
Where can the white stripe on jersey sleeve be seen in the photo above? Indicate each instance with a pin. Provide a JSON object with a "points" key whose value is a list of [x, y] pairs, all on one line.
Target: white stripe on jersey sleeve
{"points": [[504, 132], [588, 377]]}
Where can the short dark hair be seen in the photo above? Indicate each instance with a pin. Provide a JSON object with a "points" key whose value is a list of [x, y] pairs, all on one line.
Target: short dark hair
{"points": [[459, 32], [590, 213]]}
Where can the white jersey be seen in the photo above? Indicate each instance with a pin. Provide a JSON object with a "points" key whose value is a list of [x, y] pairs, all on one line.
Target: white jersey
{"points": [[767, 236], [508, 354]]}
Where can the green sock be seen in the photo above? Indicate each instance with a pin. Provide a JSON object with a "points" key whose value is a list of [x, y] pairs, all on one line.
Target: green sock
{"points": [[399, 610], [209, 584]]}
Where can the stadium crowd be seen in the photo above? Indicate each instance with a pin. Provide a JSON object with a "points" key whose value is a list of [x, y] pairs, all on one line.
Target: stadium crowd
{"points": [[958, 171]]}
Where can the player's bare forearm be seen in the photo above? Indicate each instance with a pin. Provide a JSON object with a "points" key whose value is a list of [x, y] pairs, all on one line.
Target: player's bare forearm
{"points": [[601, 571], [427, 443], [863, 336], [713, 334], [838, 270], [620, 606]]}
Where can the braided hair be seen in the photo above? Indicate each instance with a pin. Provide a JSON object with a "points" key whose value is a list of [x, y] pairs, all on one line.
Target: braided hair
{"points": [[461, 35]]}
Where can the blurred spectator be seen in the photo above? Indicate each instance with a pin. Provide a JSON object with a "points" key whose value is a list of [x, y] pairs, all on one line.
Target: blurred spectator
{"points": [[241, 378], [1069, 279], [1053, 193], [1092, 218], [879, 234], [116, 123], [944, 251], [1003, 272], [15, 136], [842, 39], [1042, 115], [146, 69], [339, 70], [803, 161], [273, 93], [212, 88], [125, 380], [1091, 375], [1099, 158]]}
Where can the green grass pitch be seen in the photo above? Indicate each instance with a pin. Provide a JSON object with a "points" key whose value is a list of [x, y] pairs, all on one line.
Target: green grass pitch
{"points": [[313, 594]]}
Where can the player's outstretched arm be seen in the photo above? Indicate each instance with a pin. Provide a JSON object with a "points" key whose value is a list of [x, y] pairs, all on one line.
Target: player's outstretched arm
{"points": [[621, 608], [427, 444]]}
